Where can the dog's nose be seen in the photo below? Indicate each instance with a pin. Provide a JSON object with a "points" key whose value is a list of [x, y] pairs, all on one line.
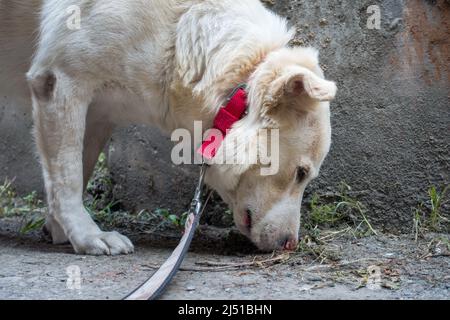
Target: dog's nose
{"points": [[289, 243]]}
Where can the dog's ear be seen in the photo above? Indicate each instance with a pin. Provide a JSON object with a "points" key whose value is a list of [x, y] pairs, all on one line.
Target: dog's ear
{"points": [[296, 87], [299, 80]]}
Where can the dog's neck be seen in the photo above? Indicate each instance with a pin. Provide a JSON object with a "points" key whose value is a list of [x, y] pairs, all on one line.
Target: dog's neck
{"points": [[208, 65], [188, 104], [238, 72]]}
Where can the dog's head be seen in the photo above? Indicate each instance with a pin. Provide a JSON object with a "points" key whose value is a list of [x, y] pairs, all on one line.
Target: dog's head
{"points": [[289, 124]]}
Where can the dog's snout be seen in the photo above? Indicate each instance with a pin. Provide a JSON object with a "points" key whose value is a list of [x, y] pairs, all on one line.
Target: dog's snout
{"points": [[289, 243], [269, 243]]}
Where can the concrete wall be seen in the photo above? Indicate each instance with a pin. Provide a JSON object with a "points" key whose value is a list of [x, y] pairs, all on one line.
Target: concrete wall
{"points": [[18, 156], [143, 173], [391, 118]]}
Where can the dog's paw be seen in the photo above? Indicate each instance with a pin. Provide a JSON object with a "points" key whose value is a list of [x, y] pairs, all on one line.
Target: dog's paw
{"points": [[103, 243]]}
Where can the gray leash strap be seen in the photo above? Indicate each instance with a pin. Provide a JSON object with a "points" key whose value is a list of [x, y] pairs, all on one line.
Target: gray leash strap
{"points": [[154, 287]]}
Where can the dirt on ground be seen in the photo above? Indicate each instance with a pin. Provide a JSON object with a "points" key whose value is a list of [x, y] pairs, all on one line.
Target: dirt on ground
{"points": [[222, 265]]}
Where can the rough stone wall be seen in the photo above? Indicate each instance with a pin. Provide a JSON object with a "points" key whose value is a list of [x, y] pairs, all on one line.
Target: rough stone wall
{"points": [[390, 120], [143, 173], [18, 157]]}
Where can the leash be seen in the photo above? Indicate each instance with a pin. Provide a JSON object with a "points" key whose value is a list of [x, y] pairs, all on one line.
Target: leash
{"points": [[233, 111], [156, 284]]}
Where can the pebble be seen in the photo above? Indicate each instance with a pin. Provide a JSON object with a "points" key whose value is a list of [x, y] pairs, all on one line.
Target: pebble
{"points": [[313, 278], [323, 22]]}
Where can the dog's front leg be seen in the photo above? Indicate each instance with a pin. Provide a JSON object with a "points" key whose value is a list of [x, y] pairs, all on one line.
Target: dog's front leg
{"points": [[59, 109]]}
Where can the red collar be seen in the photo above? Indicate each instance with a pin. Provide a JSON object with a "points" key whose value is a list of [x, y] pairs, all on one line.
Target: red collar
{"points": [[228, 115]]}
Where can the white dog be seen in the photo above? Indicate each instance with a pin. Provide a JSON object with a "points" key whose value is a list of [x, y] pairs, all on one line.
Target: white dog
{"points": [[166, 63]]}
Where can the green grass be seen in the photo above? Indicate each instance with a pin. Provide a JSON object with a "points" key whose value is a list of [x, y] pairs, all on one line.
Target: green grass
{"points": [[29, 208], [322, 213], [428, 216], [332, 217], [341, 210], [7, 197], [173, 219], [436, 201], [418, 225]]}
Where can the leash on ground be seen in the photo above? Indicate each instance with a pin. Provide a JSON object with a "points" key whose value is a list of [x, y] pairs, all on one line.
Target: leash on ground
{"points": [[235, 108], [154, 287]]}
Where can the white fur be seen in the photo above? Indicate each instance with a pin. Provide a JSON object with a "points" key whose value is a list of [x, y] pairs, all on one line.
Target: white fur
{"points": [[166, 63]]}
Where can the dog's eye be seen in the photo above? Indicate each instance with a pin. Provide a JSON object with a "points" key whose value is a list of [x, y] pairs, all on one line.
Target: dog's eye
{"points": [[301, 174]]}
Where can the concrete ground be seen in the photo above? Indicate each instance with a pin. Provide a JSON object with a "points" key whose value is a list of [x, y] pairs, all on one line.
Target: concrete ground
{"points": [[378, 267]]}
